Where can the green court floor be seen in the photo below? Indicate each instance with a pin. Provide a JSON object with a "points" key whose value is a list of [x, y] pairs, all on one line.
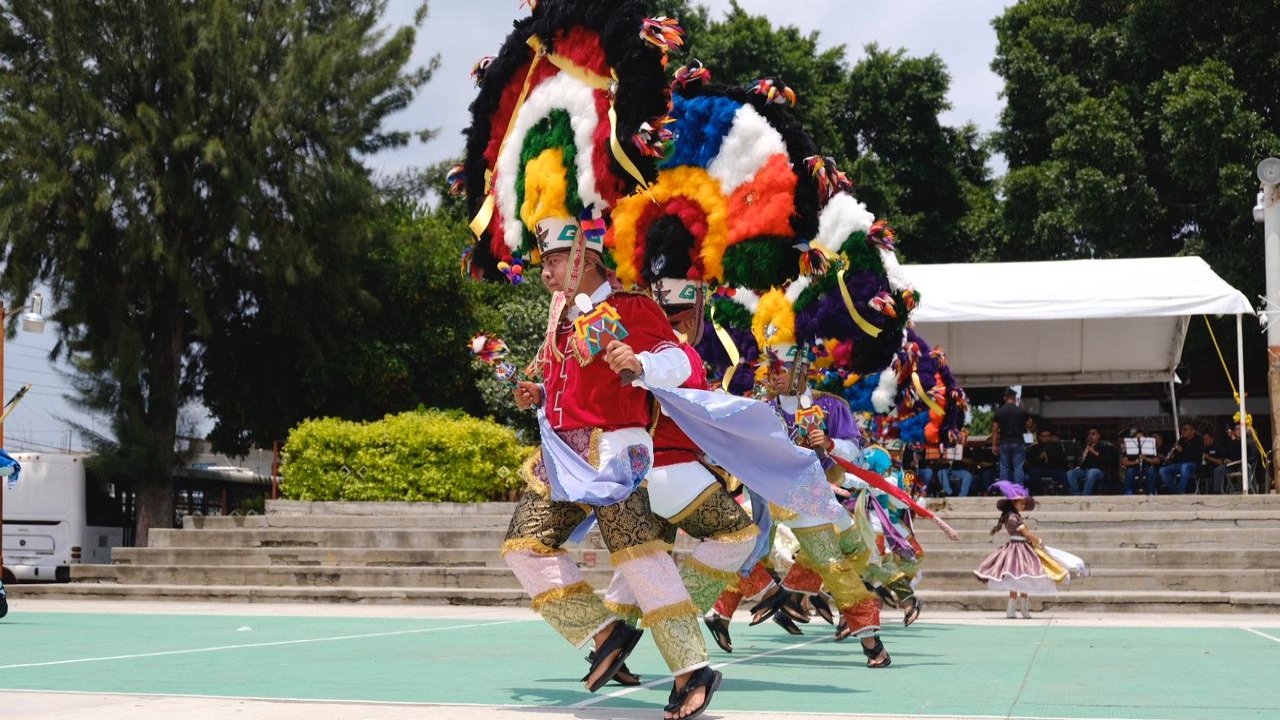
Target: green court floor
{"points": [[1032, 670]]}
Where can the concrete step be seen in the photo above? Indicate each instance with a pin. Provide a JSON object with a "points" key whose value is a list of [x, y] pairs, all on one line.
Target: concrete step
{"points": [[489, 578], [941, 555], [481, 578], [268, 594], [1062, 503], [1130, 580], [1077, 541], [963, 520], [1111, 503], [353, 522], [1102, 601], [433, 509], [1173, 536], [980, 600]]}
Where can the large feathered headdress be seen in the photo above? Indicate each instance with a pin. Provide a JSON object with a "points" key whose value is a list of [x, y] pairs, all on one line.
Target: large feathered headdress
{"points": [[569, 120]]}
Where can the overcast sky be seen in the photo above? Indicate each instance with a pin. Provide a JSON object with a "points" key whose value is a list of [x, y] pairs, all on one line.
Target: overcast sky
{"points": [[461, 31]]}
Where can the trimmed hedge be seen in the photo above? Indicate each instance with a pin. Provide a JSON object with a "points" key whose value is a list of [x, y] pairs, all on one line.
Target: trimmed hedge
{"points": [[433, 456]]}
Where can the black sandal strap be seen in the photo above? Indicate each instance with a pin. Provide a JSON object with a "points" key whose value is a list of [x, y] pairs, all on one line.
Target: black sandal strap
{"points": [[622, 638], [703, 677]]}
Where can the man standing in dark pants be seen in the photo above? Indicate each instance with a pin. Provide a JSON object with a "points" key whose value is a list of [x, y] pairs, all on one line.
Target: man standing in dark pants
{"points": [[1006, 437]]}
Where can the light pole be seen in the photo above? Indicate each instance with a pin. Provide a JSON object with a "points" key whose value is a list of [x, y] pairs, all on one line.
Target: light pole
{"points": [[33, 322], [1267, 212]]}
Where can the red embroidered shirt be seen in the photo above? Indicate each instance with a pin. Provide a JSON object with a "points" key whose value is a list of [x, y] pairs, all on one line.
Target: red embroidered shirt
{"points": [[580, 396], [670, 444]]}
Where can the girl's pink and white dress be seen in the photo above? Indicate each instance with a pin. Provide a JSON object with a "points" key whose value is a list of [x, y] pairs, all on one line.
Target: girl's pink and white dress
{"points": [[1018, 567]]}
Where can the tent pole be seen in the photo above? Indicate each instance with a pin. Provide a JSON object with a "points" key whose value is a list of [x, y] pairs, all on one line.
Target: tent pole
{"points": [[1173, 401], [1244, 435]]}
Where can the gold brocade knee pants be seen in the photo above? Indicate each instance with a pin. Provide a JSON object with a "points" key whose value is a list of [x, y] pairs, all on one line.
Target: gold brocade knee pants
{"points": [[634, 536]]}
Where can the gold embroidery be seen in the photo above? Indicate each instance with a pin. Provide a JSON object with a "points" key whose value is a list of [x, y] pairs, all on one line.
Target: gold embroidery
{"points": [[531, 481], [579, 588], [653, 547], [533, 545], [781, 514], [680, 641], [705, 584], [577, 617], [813, 530], [742, 535], [593, 448], [689, 509], [696, 565], [629, 613], [684, 608]]}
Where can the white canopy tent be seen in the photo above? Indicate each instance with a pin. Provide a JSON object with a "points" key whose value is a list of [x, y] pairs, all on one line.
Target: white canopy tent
{"points": [[1070, 321]]}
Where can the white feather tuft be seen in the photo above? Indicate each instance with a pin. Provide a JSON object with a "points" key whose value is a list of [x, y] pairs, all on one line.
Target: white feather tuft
{"points": [[886, 390], [897, 278], [745, 150], [747, 299], [797, 287], [842, 217]]}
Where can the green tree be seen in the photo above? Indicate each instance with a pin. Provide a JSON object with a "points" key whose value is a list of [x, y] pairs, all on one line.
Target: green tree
{"points": [[402, 346], [1132, 129], [171, 170], [929, 180]]}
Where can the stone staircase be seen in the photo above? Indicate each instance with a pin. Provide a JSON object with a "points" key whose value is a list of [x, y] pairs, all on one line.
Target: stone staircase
{"points": [[1161, 554]]}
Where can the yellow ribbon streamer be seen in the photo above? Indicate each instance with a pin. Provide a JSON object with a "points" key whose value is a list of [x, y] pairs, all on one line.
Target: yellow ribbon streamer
{"points": [[867, 327], [729, 347], [915, 378], [484, 216]]}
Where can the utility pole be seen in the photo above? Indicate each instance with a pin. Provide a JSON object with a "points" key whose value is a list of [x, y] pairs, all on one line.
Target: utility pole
{"points": [[1269, 175]]}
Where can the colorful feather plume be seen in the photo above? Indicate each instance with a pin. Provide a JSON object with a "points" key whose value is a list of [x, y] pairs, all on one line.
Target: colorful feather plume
{"points": [[881, 235], [831, 179], [695, 73], [653, 138], [813, 261], [457, 179], [883, 304], [491, 350], [478, 70], [662, 31], [774, 91]]}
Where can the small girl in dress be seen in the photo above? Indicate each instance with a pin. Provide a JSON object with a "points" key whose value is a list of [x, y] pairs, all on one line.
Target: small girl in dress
{"points": [[1018, 566]]}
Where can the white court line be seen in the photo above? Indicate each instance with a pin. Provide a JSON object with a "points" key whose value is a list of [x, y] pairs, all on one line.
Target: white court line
{"points": [[255, 645], [1255, 632], [662, 681]]}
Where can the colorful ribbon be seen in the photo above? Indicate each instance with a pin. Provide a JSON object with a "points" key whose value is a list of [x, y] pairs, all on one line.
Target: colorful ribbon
{"points": [[862, 322]]}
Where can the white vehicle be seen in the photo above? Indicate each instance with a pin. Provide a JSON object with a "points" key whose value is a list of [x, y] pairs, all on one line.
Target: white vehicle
{"points": [[46, 516]]}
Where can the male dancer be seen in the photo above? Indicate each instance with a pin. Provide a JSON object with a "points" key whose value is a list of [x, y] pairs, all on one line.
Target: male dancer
{"points": [[605, 422], [833, 555]]}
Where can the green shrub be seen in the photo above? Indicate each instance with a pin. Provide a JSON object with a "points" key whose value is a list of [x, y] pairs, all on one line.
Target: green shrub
{"points": [[433, 456]]}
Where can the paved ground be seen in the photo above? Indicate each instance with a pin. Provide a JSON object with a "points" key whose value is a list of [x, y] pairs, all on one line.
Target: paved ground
{"points": [[61, 660]]}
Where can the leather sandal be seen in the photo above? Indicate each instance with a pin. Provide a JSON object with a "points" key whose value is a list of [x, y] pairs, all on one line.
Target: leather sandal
{"points": [[703, 677], [842, 631], [794, 606], [874, 652], [822, 608], [913, 613], [623, 677], [784, 620], [765, 609], [622, 639], [719, 628]]}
